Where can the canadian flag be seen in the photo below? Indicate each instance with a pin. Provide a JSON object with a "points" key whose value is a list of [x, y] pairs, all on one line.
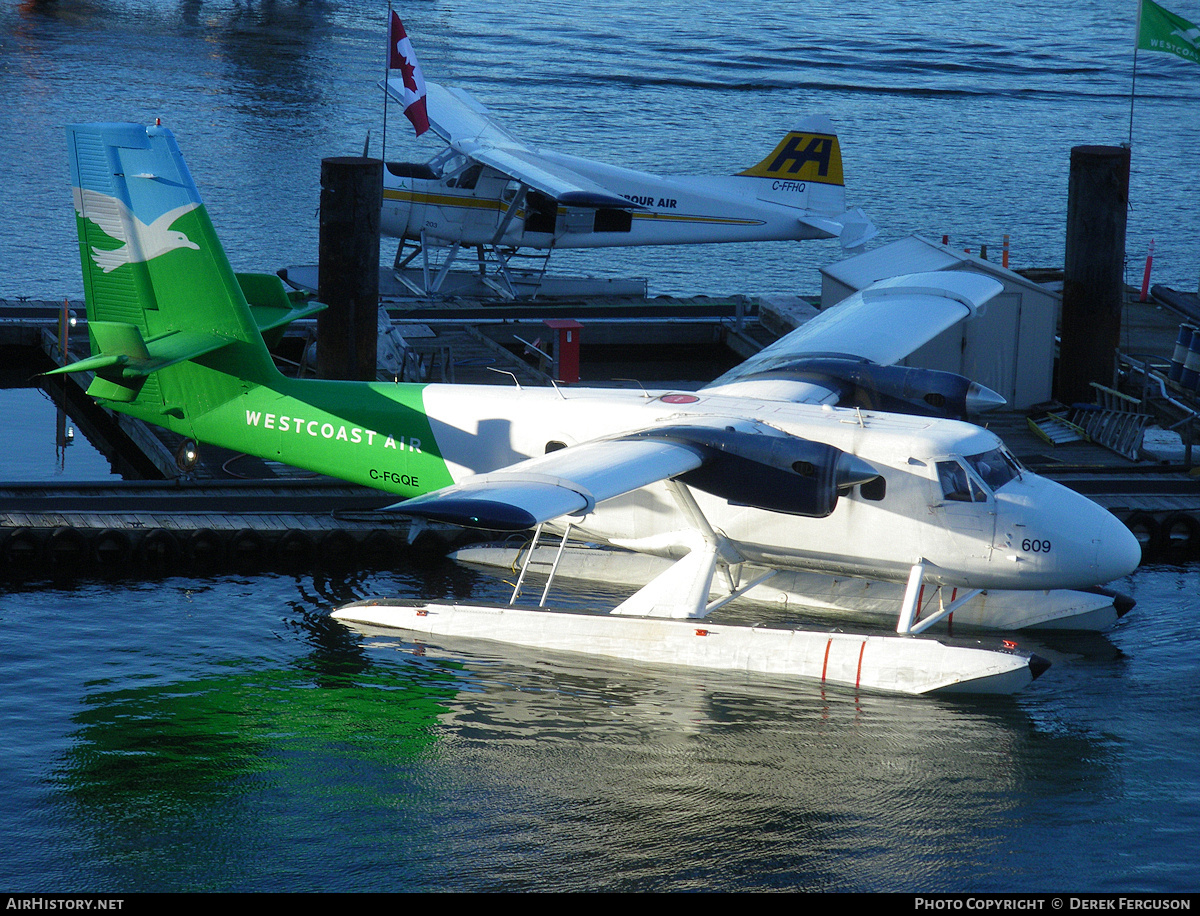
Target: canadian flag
{"points": [[402, 57]]}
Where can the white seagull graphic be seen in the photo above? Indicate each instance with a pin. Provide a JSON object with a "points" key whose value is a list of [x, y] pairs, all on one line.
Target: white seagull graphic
{"points": [[1191, 36], [142, 242]]}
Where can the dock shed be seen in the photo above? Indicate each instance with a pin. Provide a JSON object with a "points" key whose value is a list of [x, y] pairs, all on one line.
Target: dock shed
{"points": [[1009, 348]]}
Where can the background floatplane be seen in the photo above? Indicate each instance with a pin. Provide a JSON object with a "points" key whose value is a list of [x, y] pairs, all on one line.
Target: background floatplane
{"points": [[498, 195]]}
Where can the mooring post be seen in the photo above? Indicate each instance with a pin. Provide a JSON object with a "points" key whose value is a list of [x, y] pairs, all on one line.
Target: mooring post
{"points": [[1093, 277], [348, 276]]}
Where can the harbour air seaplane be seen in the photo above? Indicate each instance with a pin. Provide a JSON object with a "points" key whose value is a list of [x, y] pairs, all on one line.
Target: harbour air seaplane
{"points": [[819, 454], [489, 191]]}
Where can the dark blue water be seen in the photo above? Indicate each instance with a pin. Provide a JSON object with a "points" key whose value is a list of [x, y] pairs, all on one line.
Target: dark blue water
{"points": [[220, 733], [955, 118]]}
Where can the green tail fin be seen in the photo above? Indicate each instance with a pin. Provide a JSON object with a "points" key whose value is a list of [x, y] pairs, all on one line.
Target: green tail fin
{"points": [[172, 333]]}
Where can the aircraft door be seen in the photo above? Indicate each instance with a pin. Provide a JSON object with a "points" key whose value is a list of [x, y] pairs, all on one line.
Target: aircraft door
{"points": [[444, 216]]}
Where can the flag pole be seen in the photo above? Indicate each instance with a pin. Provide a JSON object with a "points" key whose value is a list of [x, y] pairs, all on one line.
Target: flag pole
{"points": [[1137, 39], [387, 74]]}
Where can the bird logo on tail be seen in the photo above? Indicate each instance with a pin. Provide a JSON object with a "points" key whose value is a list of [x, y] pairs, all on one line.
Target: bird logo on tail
{"points": [[141, 242]]}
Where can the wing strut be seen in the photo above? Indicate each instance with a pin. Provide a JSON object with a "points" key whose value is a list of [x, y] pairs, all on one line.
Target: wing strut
{"points": [[682, 590]]}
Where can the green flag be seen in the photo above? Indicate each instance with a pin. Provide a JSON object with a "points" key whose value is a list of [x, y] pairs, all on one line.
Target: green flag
{"points": [[1162, 30]]}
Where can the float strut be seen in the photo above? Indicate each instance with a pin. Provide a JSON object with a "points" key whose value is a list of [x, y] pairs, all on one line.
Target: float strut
{"points": [[912, 596]]}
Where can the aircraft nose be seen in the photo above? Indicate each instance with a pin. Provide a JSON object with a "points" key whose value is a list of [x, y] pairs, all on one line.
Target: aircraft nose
{"points": [[1118, 552], [1061, 538], [1113, 549]]}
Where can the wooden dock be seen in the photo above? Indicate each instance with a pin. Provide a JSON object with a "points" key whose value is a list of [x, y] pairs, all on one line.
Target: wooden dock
{"points": [[151, 525]]}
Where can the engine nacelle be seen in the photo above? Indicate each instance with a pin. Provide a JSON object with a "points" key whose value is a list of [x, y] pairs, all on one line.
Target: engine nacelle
{"points": [[780, 473], [896, 389]]}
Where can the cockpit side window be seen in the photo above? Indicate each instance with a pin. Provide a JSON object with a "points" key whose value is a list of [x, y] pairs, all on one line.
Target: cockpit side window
{"points": [[957, 484], [468, 179]]}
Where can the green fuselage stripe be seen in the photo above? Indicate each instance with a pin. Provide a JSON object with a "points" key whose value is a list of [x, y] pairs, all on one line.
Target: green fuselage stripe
{"points": [[374, 434]]}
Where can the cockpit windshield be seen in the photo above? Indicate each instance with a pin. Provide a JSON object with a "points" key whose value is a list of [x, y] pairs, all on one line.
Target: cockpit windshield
{"points": [[996, 467], [447, 162]]}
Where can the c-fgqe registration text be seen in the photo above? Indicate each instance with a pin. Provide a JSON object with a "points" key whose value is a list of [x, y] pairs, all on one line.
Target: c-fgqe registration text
{"points": [[61, 903]]}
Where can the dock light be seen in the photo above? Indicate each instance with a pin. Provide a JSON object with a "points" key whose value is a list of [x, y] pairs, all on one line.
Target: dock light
{"points": [[187, 455]]}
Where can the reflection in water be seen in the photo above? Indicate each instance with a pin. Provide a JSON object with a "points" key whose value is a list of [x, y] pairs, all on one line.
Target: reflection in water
{"points": [[46, 452], [675, 780], [490, 767]]}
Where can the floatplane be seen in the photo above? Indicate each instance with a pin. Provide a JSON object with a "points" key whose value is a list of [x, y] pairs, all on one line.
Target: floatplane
{"points": [[797, 460], [489, 191]]}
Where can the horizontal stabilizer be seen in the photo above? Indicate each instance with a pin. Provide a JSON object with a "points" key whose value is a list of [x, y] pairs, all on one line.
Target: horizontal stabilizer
{"points": [[271, 304], [853, 228], [125, 359], [272, 319], [857, 229]]}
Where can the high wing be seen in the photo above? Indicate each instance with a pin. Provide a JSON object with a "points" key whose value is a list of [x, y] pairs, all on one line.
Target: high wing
{"points": [[874, 328], [467, 126], [748, 463], [567, 482]]}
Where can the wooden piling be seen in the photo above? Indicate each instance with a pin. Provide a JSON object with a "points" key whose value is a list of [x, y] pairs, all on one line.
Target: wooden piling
{"points": [[1093, 280], [347, 332]]}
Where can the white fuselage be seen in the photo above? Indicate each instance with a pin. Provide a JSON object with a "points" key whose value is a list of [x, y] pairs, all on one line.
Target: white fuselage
{"points": [[469, 205], [1024, 533]]}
